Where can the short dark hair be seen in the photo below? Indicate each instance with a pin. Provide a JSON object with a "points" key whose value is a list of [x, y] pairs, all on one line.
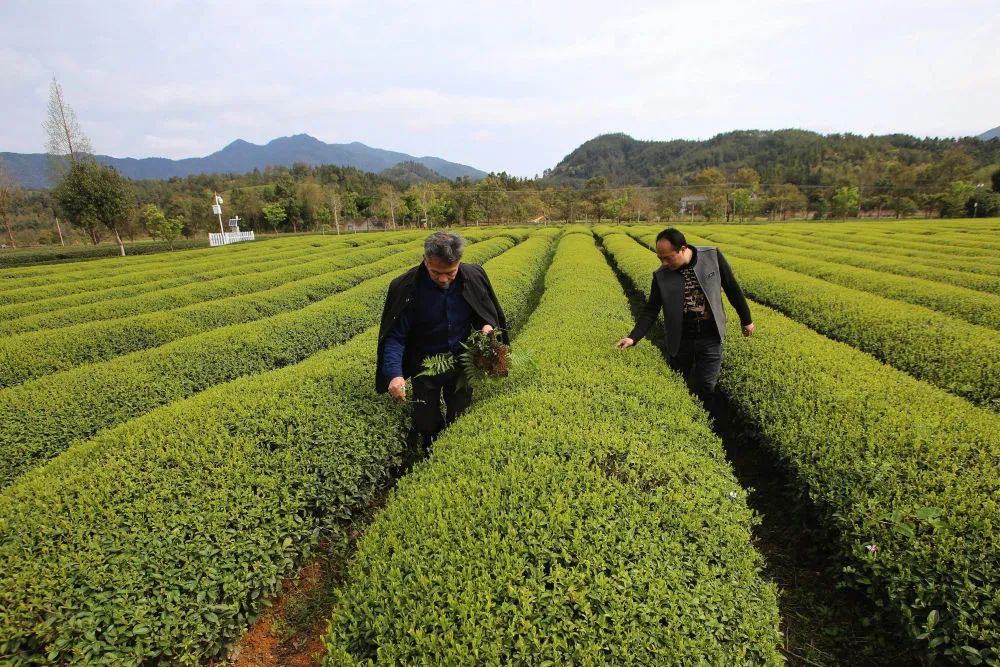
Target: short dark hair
{"points": [[446, 246], [672, 235]]}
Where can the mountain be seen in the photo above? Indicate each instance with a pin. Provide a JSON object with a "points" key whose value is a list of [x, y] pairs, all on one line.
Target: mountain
{"points": [[241, 157], [991, 134], [410, 173], [795, 156]]}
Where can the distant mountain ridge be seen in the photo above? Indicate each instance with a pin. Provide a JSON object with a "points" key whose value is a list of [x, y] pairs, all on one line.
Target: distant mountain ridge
{"points": [[792, 155], [990, 134], [240, 157]]}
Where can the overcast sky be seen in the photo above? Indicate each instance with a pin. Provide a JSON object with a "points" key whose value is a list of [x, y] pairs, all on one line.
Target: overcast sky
{"points": [[508, 85]]}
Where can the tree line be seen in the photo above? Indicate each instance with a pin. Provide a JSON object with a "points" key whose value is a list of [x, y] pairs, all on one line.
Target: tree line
{"points": [[946, 178]]}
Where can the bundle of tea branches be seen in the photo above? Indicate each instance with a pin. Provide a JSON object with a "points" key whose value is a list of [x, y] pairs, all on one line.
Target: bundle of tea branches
{"points": [[482, 356]]}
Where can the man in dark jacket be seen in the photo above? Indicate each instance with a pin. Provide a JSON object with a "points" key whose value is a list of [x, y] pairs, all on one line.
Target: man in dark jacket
{"points": [[688, 288], [431, 309]]}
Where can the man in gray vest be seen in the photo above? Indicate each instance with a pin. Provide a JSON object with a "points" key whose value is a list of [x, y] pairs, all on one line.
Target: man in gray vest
{"points": [[688, 288]]}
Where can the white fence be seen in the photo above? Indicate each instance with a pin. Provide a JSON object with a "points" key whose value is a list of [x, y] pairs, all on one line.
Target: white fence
{"points": [[229, 237]]}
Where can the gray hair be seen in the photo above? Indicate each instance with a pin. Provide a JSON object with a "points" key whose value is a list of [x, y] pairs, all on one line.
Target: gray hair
{"points": [[445, 246]]}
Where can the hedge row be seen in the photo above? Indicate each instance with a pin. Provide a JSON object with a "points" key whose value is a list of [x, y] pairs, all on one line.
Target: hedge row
{"points": [[956, 356], [907, 475], [111, 266], [865, 256], [36, 354], [583, 515], [33, 256], [928, 243], [241, 277], [970, 305], [41, 418], [159, 541], [934, 251], [128, 283]]}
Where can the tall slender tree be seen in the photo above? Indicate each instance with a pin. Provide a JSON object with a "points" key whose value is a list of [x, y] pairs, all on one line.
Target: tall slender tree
{"points": [[67, 144], [8, 193]]}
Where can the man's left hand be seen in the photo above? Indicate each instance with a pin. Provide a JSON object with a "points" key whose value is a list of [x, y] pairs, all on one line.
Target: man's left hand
{"points": [[487, 329], [748, 329]]}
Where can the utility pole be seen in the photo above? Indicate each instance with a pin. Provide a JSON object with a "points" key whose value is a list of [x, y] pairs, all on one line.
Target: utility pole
{"points": [[217, 209]]}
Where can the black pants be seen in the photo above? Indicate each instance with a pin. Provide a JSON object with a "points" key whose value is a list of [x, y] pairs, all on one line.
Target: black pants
{"points": [[426, 406], [699, 360]]}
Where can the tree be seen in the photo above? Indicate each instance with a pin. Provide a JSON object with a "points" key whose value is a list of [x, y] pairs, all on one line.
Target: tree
{"points": [[615, 206], [159, 225], [744, 203], [844, 201], [275, 215], [93, 195], [597, 194], [712, 184], [67, 143], [995, 180], [388, 202], [955, 197], [8, 195]]}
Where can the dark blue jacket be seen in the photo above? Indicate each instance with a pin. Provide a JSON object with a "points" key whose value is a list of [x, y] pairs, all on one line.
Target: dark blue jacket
{"points": [[477, 292]]}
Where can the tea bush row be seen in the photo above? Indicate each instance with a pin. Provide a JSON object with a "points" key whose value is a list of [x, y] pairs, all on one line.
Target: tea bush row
{"points": [[956, 356], [41, 418], [38, 353], [71, 292], [159, 541], [968, 304], [907, 475], [584, 514], [866, 256], [222, 283]]}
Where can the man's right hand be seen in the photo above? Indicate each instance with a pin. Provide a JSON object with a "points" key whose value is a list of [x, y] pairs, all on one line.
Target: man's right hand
{"points": [[624, 343], [397, 388]]}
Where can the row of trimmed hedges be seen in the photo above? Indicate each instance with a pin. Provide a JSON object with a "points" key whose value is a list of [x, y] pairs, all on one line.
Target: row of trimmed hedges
{"points": [[968, 304], [887, 262], [242, 276], [938, 257], [125, 283], [39, 353], [41, 418], [961, 358], [583, 515], [907, 475], [50, 255], [159, 541]]}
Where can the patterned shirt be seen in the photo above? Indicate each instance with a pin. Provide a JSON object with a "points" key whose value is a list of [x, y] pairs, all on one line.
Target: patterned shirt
{"points": [[695, 303]]}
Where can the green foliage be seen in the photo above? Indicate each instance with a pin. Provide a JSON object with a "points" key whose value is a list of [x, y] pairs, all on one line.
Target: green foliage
{"points": [[482, 357], [948, 257], [186, 310], [876, 270], [91, 194], [844, 202], [567, 519], [41, 418], [160, 540], [904, 473], [952, 354], [160, 225], [59, 254], [274, 214]]}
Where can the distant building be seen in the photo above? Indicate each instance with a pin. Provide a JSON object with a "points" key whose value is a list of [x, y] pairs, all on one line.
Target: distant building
{"points": [[540, 220], [692, 204]]}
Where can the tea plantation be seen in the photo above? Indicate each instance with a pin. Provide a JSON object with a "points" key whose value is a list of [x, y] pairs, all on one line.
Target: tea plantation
{"points": [[181, 432]]}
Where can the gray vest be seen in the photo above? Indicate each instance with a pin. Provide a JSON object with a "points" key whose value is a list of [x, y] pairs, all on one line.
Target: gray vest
{"points": [[671, 285]]}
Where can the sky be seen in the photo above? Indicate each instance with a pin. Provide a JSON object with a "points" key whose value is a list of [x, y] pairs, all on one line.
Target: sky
{"points": [[502, 86]]}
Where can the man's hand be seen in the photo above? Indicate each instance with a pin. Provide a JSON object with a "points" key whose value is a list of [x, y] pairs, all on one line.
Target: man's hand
{"points": [[397, 388], [748, 329], [624, 343], [487, 329]]}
